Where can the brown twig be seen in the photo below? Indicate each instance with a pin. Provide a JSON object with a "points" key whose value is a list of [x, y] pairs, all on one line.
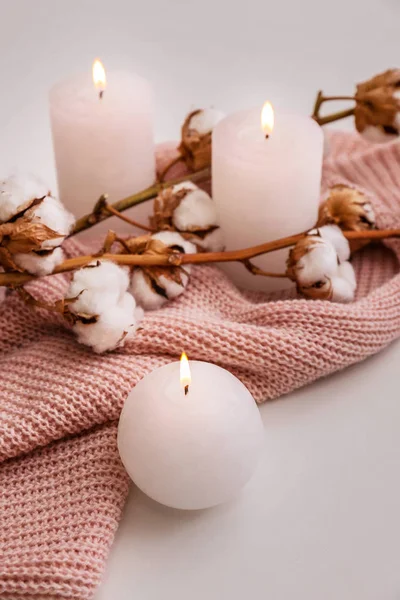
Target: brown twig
{"points": [[100, 213], [319, 101], [178, 259], [132, 222]]}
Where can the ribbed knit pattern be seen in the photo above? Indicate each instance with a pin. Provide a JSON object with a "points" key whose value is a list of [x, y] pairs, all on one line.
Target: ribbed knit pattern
{"points": [[59, 505]]}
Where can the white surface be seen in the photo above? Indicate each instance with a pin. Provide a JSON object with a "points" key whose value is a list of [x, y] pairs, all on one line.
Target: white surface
{"points": [[190, 450], [320, 519]]}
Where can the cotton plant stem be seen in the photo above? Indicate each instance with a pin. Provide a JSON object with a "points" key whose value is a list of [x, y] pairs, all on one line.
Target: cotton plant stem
{"points": [[92, 219], [123, 217], [178, 259], [334, 116]]}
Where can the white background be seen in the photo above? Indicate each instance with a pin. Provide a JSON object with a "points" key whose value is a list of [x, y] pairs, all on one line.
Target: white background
{"points": [[320, 520]]}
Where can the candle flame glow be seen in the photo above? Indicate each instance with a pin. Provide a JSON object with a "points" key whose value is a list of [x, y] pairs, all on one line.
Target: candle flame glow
{"points": [[185, 375], [267, 119], [99, 76]]}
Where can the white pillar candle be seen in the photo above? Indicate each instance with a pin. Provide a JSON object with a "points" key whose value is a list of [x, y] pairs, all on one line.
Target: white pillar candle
{"points": [[103, 138], [265, 188], [190, 450]]}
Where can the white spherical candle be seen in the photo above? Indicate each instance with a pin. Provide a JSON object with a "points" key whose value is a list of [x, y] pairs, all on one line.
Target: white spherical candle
{"points": [[265, 187], [190, 450]]}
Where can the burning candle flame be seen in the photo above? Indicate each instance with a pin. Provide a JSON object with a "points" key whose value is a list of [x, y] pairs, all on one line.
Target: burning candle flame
{"points": [[267, 119], [99, 77], [186, 377]]}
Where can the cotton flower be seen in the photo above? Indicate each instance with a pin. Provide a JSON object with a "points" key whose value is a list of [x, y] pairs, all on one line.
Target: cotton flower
{"points": [[17, 193], [377, 110], [103, 313], [52, 213], [41, 263], [319, 265], [33, 224], [112, 328], [97, 286], [196, 142], [191, 211], [203, 121], [153, 287], [350, 209]]}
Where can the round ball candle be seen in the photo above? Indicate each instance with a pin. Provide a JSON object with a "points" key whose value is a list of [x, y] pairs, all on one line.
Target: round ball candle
{"points": [[190, 437], [266, 184], [103, 137]]}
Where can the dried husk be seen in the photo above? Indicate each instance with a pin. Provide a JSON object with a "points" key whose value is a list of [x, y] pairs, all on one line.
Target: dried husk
{"points": [[146, 245], [350, 210], [164, 206], [376, 103], [22, 236], [320, 290], [195, 148]]}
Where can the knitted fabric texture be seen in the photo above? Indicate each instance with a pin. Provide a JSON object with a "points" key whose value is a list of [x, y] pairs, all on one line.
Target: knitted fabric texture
{"points": [[59, 505]]}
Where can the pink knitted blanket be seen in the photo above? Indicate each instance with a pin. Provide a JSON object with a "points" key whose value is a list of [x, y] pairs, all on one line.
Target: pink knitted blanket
{"points": [[62, 487]]}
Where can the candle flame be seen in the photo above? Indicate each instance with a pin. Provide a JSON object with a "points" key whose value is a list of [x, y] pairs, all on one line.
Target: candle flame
{"points": [[267, 119], [185, 377], [99, 76]]}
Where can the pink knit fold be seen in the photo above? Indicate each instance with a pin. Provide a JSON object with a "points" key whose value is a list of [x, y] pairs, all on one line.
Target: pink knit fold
{"points": [[52, 387]]}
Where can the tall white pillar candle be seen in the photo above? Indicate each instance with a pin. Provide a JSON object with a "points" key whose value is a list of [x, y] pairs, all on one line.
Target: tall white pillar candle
{"points": [[103, 138], [265, 188]]}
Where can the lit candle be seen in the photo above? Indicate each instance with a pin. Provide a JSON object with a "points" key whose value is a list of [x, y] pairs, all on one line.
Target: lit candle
{"points": [[103, 137], [190, 437], [266, 184]]}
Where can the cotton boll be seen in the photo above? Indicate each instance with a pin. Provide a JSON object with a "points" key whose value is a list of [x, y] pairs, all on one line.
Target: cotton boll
{"points": [[318, 263], [17, 192], [101, 277], [197, 211], [112, 328], [342, 291], [377, 135], [52, 213], [147, 296], [38, 264], [212, 242], [334, 235], [205, 120], [172, 239], [144, 294]]}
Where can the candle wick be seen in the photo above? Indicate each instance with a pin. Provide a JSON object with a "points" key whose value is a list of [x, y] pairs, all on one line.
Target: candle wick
{"points": [[266, 136], [101, 92], [186, 389]]}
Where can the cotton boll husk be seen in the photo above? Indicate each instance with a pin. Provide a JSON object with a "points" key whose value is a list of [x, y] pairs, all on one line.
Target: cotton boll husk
{"points": [[113, 328], [143, 293], [197, 211], [17, 193], [334, 235], [101, 277], [318, 263], [148, 298], [173, 238], [205, 120], [212, 242], [52, 213], [40, 264]]}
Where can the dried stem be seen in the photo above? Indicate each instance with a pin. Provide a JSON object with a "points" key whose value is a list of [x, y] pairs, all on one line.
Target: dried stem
{"points": [[320, 99], [118, 214], [100, 213], [178, 259]]}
